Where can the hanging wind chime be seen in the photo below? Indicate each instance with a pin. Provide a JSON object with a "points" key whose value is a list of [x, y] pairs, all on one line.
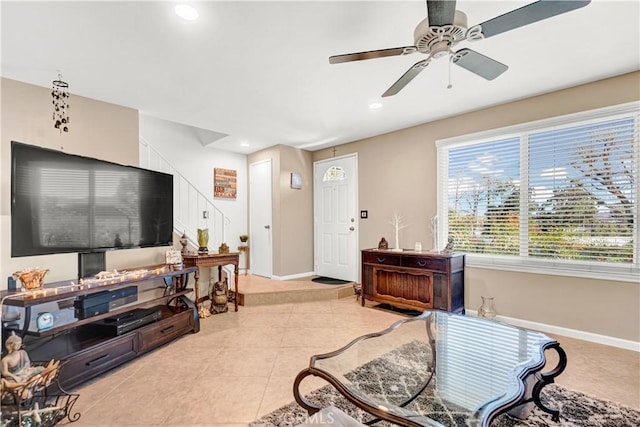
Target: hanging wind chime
{"points": [[60, 94]]}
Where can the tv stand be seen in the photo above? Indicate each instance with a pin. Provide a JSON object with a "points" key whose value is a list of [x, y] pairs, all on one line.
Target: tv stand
{"points": [[81, 342]]}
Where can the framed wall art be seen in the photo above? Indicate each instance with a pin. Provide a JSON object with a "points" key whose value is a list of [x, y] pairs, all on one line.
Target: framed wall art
{"points": [[225, 183], [296, 180]]}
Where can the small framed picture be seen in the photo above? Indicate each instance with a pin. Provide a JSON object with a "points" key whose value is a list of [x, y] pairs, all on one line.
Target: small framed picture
{"points": [[173, 257], [296, 181]]}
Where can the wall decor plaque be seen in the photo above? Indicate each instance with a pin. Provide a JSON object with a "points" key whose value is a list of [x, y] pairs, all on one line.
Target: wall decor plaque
{"points": [[224, 183]]}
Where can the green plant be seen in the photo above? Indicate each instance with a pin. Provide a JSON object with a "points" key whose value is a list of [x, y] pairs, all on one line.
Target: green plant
{"points": [[244, 238]]}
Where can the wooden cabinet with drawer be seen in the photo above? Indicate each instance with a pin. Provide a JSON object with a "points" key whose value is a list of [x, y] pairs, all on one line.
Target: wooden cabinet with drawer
{"points": [[165, 330], [414, 280], [82, 366]]}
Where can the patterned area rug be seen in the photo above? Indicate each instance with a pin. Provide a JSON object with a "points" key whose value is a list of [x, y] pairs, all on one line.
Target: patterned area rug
{"points": [[576, 409]]}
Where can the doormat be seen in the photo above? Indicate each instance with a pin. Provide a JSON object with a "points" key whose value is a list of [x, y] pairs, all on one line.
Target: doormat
{"points": [[329, 281]]}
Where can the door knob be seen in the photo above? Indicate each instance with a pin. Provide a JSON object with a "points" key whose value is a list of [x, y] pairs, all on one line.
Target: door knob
{"points": [[352, 228], [267, 227]]}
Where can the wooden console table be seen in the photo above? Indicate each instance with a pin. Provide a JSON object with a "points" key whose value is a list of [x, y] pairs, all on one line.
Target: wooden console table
{"points": [[414, 280], [212, 260]]}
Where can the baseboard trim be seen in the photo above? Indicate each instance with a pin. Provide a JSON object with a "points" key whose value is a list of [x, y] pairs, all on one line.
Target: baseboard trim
{"points": [[293, 276], [566, 332]]}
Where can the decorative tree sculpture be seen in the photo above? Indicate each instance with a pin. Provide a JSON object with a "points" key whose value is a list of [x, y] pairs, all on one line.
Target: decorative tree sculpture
{"points": [[398, 222]]}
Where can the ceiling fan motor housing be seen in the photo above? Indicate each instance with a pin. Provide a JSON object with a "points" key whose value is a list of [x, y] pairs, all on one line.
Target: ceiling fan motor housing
{"points": [[438, 40]]}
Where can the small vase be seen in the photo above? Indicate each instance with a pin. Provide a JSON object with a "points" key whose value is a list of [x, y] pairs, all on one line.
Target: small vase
{"points": [[203, 240], [486, 310]]}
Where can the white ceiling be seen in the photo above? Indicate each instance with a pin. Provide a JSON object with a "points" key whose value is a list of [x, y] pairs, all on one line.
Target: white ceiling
{"points": [[259, 73]]}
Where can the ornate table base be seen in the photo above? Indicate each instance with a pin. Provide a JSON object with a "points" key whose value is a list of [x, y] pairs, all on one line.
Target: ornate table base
{"points": [[476, 368]]}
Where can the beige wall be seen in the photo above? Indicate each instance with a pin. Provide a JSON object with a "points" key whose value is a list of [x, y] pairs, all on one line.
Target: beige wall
{"points": [[296, 214], [96, 129], [397, 171], [292, 210]]}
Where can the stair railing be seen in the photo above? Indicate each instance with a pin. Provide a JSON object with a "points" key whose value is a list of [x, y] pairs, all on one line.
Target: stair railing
{"points": [[191, 208]]}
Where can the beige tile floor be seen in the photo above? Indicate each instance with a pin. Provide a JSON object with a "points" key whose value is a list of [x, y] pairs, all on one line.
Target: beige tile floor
{"points": [[241, 365]]}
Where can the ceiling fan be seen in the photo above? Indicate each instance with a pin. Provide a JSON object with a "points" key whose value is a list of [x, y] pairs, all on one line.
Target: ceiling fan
{"points": [[444, 27]]}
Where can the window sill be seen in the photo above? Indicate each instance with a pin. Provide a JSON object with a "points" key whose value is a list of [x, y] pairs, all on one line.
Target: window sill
{"points": [[555, 268]]}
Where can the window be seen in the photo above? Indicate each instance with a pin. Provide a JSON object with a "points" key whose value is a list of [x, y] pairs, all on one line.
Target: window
{"points": [[334, 173], [559, 195]]}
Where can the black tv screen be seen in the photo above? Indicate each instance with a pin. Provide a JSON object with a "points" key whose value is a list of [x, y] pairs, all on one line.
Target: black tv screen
{"points": [[67, 203]]}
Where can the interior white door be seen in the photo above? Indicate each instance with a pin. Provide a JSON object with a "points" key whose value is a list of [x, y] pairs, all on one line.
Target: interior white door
{"points": [[260, 233], [336, 233]]}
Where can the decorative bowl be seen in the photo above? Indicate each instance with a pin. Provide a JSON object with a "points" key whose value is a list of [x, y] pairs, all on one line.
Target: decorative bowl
{"points": [[31, 278]]}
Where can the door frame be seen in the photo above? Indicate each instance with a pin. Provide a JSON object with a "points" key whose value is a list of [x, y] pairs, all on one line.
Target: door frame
{"points": [[356, 247]]}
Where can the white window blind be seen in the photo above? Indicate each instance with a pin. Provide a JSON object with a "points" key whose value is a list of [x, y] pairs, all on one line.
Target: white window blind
{"points": [[559, 194]]}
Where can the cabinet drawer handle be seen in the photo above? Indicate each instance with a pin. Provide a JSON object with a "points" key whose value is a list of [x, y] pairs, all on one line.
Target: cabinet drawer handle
{"points": [[422, 263], [91, 362], [167, 329], [381, 259]]}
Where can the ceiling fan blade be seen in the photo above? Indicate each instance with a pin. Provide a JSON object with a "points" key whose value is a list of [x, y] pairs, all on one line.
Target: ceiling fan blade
{"points": [[479, 64], [372, 54], [529, 14], [406, 77], [441, 12]]}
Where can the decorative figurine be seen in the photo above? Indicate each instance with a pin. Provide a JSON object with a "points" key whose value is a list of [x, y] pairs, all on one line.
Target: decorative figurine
{"points": [[219, 297], [383, 244], [449, 247], [184, 241], [16, 366], [357, 290], [203, 311], [19, 378], [223, 249]]}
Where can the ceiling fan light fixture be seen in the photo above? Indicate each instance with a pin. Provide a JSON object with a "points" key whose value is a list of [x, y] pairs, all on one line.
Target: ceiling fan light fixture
{"points": [[426, 37], [186, 12], [375, 105]]}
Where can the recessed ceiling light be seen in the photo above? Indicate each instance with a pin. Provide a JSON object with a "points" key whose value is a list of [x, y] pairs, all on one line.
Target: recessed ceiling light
{"points": [[375, 105], [187, 12], [244, 144]]}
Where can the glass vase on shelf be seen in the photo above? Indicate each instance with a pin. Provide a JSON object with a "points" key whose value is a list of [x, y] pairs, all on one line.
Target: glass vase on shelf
{"points": [[486, 310], [203, 240]]}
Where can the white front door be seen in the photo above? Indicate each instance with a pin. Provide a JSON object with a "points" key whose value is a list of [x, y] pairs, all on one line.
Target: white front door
{"points": [[336, 233], [260, 237]]}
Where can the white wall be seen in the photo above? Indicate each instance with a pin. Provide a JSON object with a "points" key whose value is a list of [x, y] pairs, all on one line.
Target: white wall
{"points": [[173, 140]]}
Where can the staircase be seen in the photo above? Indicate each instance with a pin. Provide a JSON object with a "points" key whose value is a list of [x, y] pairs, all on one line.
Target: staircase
{"points": [[191, 208]]}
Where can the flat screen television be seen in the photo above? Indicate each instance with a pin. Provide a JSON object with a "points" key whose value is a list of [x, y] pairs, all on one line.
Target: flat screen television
{"points": [[67, 203]]}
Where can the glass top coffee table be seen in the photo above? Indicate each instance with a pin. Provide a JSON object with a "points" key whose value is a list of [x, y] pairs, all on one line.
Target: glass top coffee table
{"points": [[438, 369]]}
